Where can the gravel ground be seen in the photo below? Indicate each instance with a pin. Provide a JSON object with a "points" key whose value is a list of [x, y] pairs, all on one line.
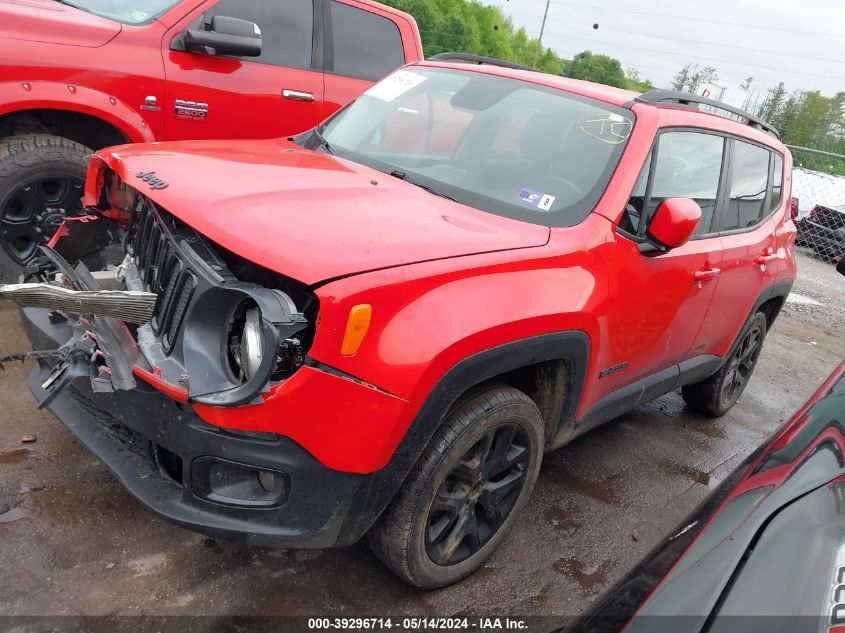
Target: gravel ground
{"points": [[73, 542]]}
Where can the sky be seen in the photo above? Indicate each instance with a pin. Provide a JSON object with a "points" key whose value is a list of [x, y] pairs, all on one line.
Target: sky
{"points": [[801, 43]]}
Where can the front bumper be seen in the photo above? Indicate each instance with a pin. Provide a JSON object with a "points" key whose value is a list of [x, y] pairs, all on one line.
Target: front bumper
{"points": [[160, 449]]}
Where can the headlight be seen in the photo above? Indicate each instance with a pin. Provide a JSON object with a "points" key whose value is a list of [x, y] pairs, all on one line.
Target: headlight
{"points": [[252, 345], [246, 342]]}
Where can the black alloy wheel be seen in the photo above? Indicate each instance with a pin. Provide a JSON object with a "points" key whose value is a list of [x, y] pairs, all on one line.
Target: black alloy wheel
{"points": [[466, 491], [478, 495], [42, 181], [717, 394], [35, 211], [741, 365]]}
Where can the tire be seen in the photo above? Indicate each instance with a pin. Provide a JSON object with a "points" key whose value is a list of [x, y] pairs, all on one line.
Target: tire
{"points": [[717, 394], [42, 179], [462, 468]]}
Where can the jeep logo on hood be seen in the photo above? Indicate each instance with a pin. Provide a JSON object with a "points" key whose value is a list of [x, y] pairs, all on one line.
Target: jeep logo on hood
{"points": [[154, 181]]}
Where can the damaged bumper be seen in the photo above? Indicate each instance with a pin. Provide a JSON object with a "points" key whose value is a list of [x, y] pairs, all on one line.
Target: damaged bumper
{"points": [[258, 488]]}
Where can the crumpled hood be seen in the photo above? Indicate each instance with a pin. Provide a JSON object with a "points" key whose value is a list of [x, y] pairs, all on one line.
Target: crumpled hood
{"points": [[51, 21], [307, 215]]}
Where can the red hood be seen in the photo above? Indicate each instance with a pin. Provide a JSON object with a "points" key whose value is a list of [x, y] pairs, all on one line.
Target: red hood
{"points": [[307, 215], [51, 21]]}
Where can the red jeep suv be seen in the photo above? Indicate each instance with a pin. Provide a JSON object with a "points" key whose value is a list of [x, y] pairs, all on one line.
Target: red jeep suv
{"points": [[379, 326]]}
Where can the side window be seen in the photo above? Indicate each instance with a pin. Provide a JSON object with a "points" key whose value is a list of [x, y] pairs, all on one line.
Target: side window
{"points": [[777, 182], [688, 165], [366, 46], [287, 28], [749, 181]]}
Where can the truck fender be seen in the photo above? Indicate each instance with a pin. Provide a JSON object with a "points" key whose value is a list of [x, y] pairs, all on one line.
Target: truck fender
{"points": [[20, 96]]}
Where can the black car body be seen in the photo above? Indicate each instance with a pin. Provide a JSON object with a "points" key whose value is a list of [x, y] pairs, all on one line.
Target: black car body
{"points": [[824, 230], [764, 552]]}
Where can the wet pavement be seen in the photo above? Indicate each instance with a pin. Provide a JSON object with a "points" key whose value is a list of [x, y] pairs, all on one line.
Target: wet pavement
{"points": [[73, 542]]}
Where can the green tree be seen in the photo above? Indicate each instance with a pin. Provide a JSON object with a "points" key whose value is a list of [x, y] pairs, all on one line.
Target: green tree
{"points": [[691, 77], [599, 68], [773, 103], [633, 81], [472, 27]]}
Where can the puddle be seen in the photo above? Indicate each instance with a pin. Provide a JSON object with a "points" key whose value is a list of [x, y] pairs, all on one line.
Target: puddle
{"points": [[15, 456], [606, 490], [693, 474], [15, 514], [708, 428], [590, 582], [562, 519]]}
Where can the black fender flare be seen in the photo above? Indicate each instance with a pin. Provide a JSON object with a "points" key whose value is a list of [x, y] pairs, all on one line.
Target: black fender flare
{"points": [[379, 489]]}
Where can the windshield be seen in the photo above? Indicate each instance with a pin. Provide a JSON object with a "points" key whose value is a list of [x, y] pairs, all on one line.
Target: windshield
{"points": [[505, 146], [126, 11]]}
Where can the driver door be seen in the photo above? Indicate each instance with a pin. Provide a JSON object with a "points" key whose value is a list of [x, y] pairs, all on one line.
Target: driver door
{"points": [[659, 300], [275, 94]]}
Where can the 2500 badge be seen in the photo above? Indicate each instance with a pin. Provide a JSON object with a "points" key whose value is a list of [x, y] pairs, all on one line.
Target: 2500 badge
{"points": [[191, 109]]}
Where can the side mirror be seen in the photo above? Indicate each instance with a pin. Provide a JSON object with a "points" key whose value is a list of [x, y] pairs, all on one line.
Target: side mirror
{"points": [[674, 223], [841, 266], [228, 36]]}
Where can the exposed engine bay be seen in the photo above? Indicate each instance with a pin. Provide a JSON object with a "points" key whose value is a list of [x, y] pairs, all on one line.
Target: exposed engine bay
{"points": [[167, 306]]}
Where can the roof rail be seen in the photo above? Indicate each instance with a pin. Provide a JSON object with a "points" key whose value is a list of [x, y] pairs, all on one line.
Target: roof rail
{"points": [[478, 59], [689, 100]]}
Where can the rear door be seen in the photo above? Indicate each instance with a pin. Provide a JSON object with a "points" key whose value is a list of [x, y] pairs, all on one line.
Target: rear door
{"points": [[362, 45], [657, 304], [749, 259], [277, 94]]}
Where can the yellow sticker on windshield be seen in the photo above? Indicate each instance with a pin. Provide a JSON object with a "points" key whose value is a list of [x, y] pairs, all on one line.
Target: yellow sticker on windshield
{"points": [[612, 128]]}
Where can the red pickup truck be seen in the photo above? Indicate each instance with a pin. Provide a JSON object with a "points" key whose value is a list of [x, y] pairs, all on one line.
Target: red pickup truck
{"points": [[81, 75]]}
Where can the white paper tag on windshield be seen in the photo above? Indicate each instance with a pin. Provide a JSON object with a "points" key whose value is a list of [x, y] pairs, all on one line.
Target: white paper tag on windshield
{"points": [[395, 85]]}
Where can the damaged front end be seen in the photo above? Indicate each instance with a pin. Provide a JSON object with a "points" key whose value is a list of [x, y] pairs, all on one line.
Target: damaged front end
{"points": [[167, 307]]}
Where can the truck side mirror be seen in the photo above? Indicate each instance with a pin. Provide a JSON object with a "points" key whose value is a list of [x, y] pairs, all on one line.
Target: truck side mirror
{"points": [[227, 36], [674, 223]]}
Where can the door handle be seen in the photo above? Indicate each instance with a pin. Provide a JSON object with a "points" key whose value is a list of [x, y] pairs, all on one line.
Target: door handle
{"points": [[762, 260], [706, 275], [297, 95]]}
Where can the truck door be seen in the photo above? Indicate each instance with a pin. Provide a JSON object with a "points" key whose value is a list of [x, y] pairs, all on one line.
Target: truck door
{"points": [[363, 45], [278, 93]]}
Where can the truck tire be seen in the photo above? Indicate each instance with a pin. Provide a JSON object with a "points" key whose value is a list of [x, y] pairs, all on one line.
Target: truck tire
{"points": [[717, 394], [465, 492], [42, 179]]}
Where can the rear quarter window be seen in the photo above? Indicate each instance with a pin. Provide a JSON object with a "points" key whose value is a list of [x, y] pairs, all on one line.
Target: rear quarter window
{"points": [[749, 182], [366, 45]]}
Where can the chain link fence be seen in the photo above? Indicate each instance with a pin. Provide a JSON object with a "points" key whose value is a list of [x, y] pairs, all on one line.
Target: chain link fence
{"points": [[818, 201]]}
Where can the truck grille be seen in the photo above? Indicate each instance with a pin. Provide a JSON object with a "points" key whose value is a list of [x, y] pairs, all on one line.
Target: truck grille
{"points": [[163, 272]]}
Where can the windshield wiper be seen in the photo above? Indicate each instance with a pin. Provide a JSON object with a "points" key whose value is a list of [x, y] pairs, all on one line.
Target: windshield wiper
{"points": [[322, 140], [401, 175]]}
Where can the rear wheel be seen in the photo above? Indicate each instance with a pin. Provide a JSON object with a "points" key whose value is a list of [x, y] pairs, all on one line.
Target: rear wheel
{"points": [[42, 180], [717, 394], [466, 491]]}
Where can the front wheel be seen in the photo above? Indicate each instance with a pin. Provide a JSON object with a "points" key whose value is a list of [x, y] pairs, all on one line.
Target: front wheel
{"points": [[717, 394], [42, 180], [465, 492]]}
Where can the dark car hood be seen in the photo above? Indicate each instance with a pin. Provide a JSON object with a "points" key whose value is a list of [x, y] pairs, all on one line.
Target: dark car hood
{"points": [[765, 544], [308, 215], [51, 21]]}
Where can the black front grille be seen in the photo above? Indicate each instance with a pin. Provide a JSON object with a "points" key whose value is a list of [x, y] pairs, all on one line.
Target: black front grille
{"points": [[162, 272]]}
